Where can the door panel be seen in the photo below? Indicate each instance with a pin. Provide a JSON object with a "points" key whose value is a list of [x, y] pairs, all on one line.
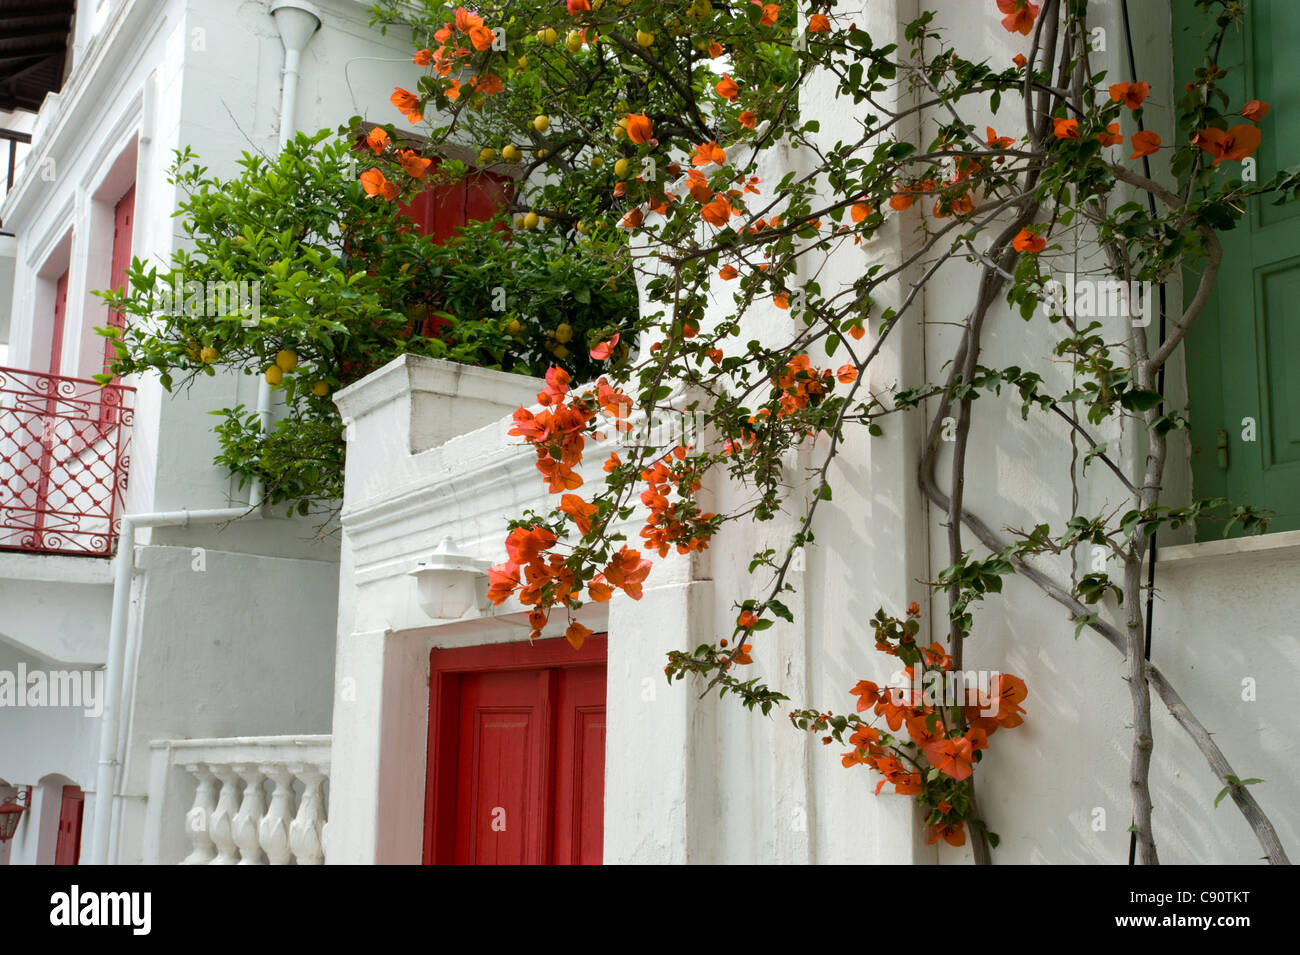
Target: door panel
{"points": [[67, 850], [502, 764], [580, 768]]}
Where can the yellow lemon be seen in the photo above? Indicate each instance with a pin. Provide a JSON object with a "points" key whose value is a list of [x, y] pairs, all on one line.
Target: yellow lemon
{"points": [[519, 222], [548, 36], [515, 328], [320, 389], [486, 156], [564, 333], [542, 123], [643, 38], [286, 359], [209, 355], [274, 375], [541, 153], [560, 352], [581, 227], [531, 220], [621, 168], [511, 153], [597, 162], [192, 350], [522, 62], [573, 41]]}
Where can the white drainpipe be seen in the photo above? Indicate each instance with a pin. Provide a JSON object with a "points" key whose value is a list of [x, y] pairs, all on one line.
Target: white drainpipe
{"points": [[297, 21]]}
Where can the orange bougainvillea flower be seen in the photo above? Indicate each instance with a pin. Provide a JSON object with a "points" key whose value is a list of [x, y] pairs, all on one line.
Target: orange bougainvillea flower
{"points": [[715, 49], [639, 128], [781, 300], [847, 374], [503, 579], [488, 84], [1130, 94], [901, 199], [952, 757], [717, 212], [627, 570], [1145, 143], [408, 103], [1020, 60], [726, 87], [993, 139], [413, 164], [856, 331], [634, 219], [1255, 110], [1066, 128], [377, 139], [1111, 136], [727, 273], [742, 656], [422, 57], [599, 591], [603, 350], [714, 355], [481, 37], [746, 620], [577, 6], [859, 211], [576, 634], [376, 184], [1235, 144], [1026, 241], [952, 833], [612, 463], [771, 12], [747, 119], [709, 152], [1020, 16], [579, 510], [868, 694], [818, 23]]}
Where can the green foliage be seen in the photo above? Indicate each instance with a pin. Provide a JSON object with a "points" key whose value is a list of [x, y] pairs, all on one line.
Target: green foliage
{"points": [[343, 281]]}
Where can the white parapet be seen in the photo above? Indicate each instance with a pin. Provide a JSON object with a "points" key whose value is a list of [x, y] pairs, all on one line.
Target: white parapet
{"points": [[245, 800]]}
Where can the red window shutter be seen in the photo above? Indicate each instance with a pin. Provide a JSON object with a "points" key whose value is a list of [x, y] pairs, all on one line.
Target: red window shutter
{"points": [[123, 225], [67, 851], [60, 319]]}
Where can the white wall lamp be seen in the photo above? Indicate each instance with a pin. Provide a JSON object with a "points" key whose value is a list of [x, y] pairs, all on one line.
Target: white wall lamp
{"points": [[450, 582]]}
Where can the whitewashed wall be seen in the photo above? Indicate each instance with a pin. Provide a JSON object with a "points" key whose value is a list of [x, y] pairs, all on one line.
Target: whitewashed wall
{"points": [[692, 780], [244, 646]]}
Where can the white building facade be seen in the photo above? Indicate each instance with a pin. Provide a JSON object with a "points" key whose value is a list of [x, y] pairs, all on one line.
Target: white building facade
{"points": [[272, 679]]}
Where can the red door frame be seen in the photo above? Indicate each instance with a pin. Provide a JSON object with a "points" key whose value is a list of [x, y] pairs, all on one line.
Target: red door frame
{"points": [[67, 851], [446, 667]]}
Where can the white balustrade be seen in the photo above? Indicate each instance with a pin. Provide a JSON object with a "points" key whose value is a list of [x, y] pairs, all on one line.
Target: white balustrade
{"points": [[231, 820]]}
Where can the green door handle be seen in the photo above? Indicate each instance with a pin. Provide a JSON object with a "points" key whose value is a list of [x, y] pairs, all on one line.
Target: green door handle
{"points": [[1221, 448]]}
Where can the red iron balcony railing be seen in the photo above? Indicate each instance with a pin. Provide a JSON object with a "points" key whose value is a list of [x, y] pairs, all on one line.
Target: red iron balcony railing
{"points": [[64, 458]]}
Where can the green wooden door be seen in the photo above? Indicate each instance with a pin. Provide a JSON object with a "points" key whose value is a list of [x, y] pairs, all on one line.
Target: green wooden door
{"points": [[1243, 353]]}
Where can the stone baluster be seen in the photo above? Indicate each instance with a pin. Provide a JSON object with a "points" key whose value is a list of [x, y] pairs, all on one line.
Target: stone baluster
{"points": [[244, 825], [305, 832], [196, 820], [273, 832], [221, 821]]}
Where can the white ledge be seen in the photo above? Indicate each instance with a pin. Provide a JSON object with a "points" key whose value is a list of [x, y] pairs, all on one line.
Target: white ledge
{"points": [[1282, 545]]}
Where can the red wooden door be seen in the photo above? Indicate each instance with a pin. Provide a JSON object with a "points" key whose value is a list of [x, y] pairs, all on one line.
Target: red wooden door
{"points": [[516, 771], [123, 226], [67, 850]]}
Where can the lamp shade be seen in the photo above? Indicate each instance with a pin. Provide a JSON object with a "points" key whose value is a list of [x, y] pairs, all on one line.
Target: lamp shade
{"points": [[10, 813]]}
